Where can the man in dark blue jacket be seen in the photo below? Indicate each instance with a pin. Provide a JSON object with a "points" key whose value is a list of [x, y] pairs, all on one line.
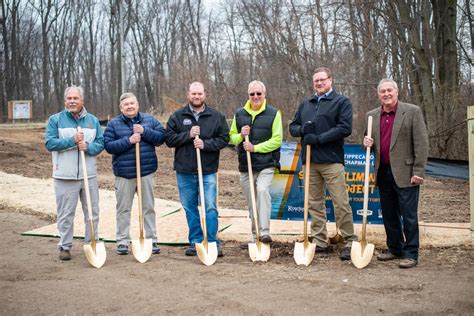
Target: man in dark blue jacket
{"points": [[323, 121], [197, 119], [121, 135]]}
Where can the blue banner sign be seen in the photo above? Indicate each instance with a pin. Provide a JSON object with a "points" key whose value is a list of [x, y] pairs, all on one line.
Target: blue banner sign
{"points": [[288, 188]]}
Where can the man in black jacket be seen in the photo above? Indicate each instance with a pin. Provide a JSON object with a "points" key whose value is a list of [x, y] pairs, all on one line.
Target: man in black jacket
{"points": [[197, 119], [323, 121]]}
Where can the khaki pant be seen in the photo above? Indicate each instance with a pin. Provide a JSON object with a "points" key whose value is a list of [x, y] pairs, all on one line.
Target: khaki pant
{"points": [[124, 192], [263, 179], [331, 175]]}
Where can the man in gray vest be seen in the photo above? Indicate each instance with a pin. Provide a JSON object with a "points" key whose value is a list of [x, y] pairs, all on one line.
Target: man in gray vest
{"points": [[262, 123]]}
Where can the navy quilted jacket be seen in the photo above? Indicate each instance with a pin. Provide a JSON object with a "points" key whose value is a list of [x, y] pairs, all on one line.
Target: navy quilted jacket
{"points": [[116, 137]]}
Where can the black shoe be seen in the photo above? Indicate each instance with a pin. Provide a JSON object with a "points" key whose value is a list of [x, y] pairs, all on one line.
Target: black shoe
{"points": [[220, 253], [408, 263], [322, 250], [266, 239], [122, 249], [345, 253], [191, 251], [386, 256], [156, 249], [64, 254]]}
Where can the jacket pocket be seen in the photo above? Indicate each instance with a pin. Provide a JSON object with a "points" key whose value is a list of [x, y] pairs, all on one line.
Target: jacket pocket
{"points": [[409, 161]]}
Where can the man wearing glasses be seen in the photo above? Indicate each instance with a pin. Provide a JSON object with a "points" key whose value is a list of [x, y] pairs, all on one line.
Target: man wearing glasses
{"points": [[262, 123], [323, 121]]}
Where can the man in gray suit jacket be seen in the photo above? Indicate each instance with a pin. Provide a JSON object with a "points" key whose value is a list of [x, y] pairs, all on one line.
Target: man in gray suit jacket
{"points": [[400, 145]]}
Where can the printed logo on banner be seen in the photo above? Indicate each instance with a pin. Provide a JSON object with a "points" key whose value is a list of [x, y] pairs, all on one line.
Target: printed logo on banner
{"points": [[287, 189]]}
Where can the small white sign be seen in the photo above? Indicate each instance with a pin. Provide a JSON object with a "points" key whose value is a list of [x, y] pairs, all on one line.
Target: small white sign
{"points": [[21, 110]]}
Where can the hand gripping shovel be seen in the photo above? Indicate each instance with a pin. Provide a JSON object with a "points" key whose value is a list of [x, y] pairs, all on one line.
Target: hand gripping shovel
{"points": [[206, 251], [95, 251], [304, 251], [258, 251], [362, 252], [141, 247]]}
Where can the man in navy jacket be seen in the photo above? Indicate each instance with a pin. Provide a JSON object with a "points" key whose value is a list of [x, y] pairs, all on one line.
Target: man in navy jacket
{"points": [[323, 121], [121, 135]]}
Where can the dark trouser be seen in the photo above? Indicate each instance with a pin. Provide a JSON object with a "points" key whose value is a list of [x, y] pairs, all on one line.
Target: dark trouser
{"points": [[400, 214]]}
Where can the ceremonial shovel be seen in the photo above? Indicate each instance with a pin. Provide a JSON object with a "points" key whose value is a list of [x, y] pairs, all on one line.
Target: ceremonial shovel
{"points": [[258, 251], [206, 251], [304, 251], [141, 247], [362, 252], [95, 251]]}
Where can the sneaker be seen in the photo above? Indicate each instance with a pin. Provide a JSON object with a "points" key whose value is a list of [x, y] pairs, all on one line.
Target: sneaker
{"points": [[122, 249], [408, 263], [220, 253], [191, 251], [64, 254], [345, 253], [266, 239], [386, 256], [156, 249]]}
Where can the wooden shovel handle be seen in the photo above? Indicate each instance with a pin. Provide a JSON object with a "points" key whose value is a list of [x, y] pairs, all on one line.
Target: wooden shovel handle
{"points": [[202, 213], [252, 193], [139, 189], [366, 180], [88, 194], [306, 194]]}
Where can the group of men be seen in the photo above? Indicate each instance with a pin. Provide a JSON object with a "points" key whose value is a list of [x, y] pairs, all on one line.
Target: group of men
{"points": [[322, 121]]}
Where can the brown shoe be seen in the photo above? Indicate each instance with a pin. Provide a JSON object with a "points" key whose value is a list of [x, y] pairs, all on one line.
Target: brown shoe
{"points": [[64, 254], [407, 263], [386, 256]]}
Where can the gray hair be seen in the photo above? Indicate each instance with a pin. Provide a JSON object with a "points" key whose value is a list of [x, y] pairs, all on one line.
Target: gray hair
{"points": [[256, 82], [73, 87], [127, 95], [394, 84]]}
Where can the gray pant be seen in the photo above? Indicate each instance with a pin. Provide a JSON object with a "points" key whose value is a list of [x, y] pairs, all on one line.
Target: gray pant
{"points": [[124, 192], [67, 193], [263, 179]]}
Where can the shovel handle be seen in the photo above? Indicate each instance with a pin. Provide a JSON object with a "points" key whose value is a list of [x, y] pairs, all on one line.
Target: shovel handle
{"points": [[306, 194], [366, 180], [202, 213], [88, 194], [252, 194], [139, 189]]}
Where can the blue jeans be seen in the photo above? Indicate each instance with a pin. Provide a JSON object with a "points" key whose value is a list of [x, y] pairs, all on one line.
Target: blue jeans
{"points": [[188, 186]]}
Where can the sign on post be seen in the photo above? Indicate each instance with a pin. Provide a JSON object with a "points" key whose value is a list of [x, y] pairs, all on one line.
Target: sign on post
{"points": [[20, 110]]}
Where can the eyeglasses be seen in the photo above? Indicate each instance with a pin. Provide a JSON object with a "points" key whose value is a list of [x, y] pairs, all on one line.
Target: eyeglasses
{"points": [[320, 80], [255, 93]]}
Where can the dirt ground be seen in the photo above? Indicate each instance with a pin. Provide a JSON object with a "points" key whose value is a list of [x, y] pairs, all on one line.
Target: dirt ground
{"points": [[34, 281]]}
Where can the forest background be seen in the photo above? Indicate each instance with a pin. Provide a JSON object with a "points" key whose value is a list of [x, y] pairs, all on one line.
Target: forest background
{"points": [[156, 48]]}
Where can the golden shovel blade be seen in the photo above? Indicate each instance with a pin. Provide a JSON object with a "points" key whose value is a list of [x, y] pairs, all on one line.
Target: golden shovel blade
{"points": [[96, 258], [302, 255], [207, 255], [361, 253], [259, 251], [141, 249]]}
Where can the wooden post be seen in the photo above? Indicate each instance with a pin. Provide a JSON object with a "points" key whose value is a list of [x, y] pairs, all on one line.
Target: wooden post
{"points": [[470, 138]]}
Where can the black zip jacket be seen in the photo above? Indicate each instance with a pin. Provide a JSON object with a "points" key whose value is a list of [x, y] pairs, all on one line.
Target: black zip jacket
{"points": [[214, 133], [332, 116]]}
